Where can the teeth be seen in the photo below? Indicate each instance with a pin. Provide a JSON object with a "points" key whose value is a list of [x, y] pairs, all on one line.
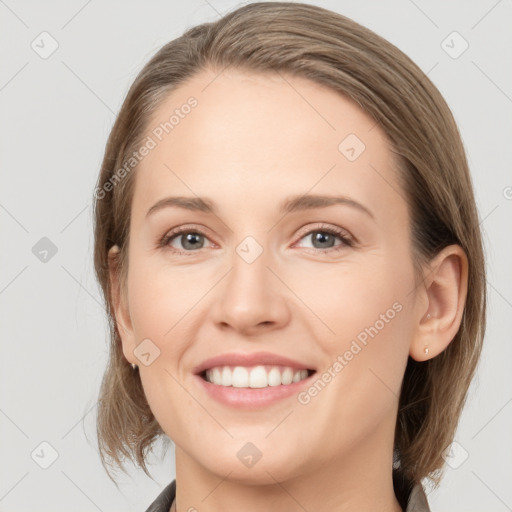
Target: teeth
{"points": [[287, 376], [240, 377], [254, 377], [257, 378], [274, 377], [226, 377]]}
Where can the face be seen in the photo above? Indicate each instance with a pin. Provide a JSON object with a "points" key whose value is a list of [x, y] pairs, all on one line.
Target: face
{"points": [[274, 283]]}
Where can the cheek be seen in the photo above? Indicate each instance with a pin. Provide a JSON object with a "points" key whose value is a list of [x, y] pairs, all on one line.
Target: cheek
{"points": [[161, 309], [368, 308], [355, 297], [162, 299]]}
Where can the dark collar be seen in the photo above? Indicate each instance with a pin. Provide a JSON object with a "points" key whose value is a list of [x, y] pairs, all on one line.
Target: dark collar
{"points": [[164, 500]]}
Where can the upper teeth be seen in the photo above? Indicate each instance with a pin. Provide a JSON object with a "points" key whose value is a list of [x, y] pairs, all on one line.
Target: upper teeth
{"points": [[254, 377]]}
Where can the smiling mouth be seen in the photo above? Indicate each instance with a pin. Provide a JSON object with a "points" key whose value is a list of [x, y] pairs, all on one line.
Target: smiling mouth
{"points": [[260, 376]]}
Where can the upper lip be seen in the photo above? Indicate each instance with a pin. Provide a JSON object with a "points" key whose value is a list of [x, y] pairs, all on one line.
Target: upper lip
{"points": [[254, 359]]}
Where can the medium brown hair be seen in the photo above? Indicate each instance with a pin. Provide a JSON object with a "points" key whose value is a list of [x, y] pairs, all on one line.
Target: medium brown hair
{"points": [[333, 50]]}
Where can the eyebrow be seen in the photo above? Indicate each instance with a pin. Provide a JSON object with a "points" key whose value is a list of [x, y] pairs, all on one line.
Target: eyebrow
{"points": [[289, 205]]}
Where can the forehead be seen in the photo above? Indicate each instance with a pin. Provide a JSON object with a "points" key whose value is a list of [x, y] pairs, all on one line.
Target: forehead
{"points": [[262, 136]]}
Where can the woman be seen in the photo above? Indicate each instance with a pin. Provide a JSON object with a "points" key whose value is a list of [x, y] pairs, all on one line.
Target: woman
{"points": [[287, 240]]}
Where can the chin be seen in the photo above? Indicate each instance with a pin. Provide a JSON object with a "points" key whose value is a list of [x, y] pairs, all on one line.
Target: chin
{"points": [[246, 464]]}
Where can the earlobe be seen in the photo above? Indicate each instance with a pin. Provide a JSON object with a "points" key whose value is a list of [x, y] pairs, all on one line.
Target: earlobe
{"points": [[445, 286], [120, 307]]}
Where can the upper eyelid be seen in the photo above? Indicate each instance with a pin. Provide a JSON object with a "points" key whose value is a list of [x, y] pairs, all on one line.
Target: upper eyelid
{"points": [[339, 231], [183, 230]]}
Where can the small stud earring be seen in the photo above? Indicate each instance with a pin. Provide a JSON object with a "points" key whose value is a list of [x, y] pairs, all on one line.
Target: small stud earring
{"points": [[134, 366], [425, 350]]}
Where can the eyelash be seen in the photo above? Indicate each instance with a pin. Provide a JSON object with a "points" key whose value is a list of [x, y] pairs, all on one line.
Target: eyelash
{"points": [[346, 240]]}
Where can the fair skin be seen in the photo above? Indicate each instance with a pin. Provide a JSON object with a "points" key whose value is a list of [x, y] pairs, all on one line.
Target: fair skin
{"points": [[252, 142]]}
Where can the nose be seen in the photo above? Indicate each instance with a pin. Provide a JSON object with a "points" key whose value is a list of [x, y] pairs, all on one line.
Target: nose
{"points": [[251, 298]]}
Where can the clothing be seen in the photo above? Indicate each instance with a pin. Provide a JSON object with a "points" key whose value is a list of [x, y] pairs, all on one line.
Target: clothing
{"points": [[416, 501]]}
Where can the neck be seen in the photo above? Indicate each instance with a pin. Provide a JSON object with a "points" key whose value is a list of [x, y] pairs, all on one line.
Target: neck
{"points": [[358, 481]]}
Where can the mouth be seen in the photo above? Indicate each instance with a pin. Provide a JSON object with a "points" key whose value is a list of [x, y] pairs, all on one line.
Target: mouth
{"points": [[251, 381], [255, 377]]}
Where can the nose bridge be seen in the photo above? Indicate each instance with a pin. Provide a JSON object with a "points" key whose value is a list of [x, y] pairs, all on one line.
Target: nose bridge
{"points": [[249, 283], [251, 295]]}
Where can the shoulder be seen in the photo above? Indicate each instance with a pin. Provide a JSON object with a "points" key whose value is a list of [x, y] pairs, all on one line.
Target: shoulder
{"points": [[164, 500]]}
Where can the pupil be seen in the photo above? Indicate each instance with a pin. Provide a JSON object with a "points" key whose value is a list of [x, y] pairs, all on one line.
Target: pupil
{"points": [[323, 238], [191, 238]]}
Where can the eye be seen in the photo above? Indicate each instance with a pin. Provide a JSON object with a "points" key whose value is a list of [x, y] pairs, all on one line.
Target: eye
{"points": [[187, 240], [184, 240], [323, 238]]}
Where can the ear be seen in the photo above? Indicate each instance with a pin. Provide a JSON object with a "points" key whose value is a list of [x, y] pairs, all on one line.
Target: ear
{"points": [[120, 306], [444, 290]]}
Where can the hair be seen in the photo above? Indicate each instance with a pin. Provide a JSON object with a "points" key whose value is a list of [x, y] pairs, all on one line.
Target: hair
{"points": [[330, 49]]}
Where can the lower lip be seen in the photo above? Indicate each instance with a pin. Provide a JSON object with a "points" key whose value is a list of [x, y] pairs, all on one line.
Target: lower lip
{"points": [[252, 397]]}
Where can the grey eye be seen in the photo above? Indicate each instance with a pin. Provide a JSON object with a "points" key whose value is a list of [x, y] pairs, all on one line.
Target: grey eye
{"points": [[325, 240], [190, 240]]}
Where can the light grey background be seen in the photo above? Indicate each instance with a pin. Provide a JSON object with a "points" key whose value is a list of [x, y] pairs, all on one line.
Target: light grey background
{"points": [[56, 114]]}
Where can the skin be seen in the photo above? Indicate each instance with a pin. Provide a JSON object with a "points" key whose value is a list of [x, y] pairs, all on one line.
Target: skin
{"points": [[252, 141]]}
